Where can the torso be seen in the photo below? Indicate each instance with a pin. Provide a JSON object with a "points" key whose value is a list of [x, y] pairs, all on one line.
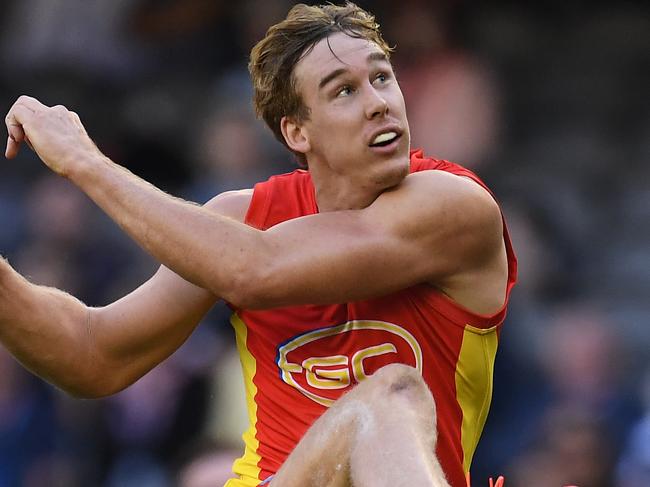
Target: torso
{"points": [[297, 360]]}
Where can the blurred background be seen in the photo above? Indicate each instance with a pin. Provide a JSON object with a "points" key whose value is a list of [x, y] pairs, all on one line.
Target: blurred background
{"points": [[548, 103]]}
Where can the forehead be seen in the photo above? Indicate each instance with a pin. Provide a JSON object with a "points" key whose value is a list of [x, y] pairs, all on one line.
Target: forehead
{"points": [[338, 51]]}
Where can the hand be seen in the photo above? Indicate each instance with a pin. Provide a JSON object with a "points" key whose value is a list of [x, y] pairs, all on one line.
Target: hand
{"points": [[54, 133]]}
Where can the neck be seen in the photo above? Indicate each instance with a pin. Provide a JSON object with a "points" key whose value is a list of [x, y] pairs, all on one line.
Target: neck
{"points": [[335, 192]]}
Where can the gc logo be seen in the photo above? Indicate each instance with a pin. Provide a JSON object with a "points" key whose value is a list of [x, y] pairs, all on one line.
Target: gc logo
{"points": [[323, 363]]}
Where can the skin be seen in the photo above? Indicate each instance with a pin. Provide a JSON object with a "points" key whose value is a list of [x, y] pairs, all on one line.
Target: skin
{"points": [[377, 225], [360, 97], [380, 434]]}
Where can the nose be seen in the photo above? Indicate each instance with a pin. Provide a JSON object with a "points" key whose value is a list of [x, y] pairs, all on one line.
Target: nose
{"points": [[376, 104]]}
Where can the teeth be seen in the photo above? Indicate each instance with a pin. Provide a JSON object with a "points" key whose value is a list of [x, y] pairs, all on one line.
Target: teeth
{"points": [[385, 137]]}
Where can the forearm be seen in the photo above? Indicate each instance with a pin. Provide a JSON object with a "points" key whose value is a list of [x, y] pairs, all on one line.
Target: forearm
{"points": [[46, 330], [207, 249]]}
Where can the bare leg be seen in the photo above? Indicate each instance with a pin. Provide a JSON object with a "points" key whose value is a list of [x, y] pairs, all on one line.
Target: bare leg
{"points": [[382, 433]]}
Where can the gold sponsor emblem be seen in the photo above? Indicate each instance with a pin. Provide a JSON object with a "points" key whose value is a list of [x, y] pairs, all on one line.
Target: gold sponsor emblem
{"points": [[324, 363]]}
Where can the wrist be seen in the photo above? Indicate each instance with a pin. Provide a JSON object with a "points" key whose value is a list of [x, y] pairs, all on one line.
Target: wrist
{"points": [[84, 166]]}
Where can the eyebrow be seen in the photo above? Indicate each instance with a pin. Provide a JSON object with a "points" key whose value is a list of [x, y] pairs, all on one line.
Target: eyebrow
{"points": [[373, 56], [334, 74]]}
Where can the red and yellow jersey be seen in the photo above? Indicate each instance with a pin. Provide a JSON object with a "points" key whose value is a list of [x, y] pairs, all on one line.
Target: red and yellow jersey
{"points": [[298, 360]]}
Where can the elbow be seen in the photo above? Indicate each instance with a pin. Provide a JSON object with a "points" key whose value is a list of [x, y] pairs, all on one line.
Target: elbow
{"points": [[92, 375], [101, 389], [93, 387], [101, 379], [251, 280], [253, 289], [85, 392]]}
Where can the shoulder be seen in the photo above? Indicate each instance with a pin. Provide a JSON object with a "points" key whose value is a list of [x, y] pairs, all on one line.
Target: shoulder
{"points": [[438, 214], [442, 196], [444, 183], [233, 204]]}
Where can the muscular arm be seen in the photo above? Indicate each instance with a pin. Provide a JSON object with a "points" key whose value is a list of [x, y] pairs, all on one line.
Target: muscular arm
{"points": [[92, 352], [434, 227]]}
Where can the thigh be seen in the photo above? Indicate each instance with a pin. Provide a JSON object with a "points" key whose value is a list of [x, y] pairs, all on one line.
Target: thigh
{"points": [[393, 396], [322, 457]]}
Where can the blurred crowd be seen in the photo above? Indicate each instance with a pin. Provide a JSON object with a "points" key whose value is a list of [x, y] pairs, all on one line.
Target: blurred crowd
{"points": [[548, 104]]}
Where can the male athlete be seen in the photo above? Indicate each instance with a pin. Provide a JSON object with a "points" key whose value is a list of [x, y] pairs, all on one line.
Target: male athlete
{"points": [[359, 287]]}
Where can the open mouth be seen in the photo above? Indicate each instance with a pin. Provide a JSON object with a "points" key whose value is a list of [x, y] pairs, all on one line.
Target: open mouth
{"points": [[385, 139]]}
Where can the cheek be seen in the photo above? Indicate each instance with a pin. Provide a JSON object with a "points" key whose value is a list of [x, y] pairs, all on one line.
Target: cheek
{"points": [[399, 103], [333, 135]]}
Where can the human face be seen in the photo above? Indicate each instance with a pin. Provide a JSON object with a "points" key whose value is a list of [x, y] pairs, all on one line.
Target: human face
{"points": [[357, 129]]}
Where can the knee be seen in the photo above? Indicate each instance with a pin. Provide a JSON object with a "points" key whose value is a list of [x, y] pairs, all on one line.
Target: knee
{"points": [[398, 377], [402, 382], [397, 393]]}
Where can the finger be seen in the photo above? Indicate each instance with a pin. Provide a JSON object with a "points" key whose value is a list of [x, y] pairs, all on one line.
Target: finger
{"points": [[77, 120], [12, 148], [18, 115], [24, 108], [21, 111], [16, 132], [29, 102], [16, 135]]}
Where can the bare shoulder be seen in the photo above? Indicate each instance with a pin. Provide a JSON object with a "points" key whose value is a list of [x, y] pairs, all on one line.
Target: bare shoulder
{"points": [[233, 204], [454, 229], [441, 199], [445, 185]]}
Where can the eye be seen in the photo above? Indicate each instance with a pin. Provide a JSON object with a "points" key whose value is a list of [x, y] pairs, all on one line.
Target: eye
{"points": [[344, 91], [381, 78]]}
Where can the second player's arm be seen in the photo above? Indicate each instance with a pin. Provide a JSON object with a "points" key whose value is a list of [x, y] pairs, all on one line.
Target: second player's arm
{"points": [[96, 351]]}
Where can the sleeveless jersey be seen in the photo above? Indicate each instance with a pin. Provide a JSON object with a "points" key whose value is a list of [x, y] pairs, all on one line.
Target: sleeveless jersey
{"points": [[298, 360]]}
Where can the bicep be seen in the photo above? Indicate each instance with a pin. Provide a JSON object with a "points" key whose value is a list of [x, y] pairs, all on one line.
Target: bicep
{"points": [[161, 305], [140, 330]]}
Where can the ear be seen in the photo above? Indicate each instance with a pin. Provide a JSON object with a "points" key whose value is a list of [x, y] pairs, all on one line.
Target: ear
{"points": [[295, 134]]}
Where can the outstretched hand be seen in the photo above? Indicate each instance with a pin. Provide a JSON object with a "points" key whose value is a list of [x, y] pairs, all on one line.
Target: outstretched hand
{"points": [[55, 133]]}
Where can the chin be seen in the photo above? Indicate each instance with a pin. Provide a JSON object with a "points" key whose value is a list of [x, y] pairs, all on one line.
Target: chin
{"points": [[393, 173]]}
